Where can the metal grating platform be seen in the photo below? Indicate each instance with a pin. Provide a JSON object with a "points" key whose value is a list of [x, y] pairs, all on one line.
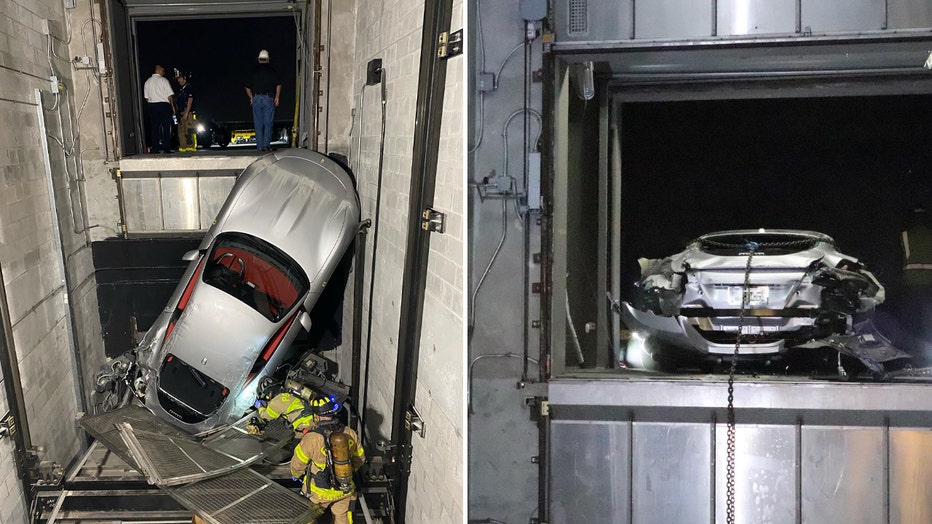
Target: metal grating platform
{"points": [[211, 481], [243, 496]]}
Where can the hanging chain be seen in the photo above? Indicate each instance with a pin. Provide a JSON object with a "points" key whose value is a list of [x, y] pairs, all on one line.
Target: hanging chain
{"points": [[730, 473]]}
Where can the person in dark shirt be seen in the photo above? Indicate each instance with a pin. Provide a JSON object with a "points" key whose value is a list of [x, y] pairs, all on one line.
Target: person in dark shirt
{"points": [[185, 113], [264, 87]]}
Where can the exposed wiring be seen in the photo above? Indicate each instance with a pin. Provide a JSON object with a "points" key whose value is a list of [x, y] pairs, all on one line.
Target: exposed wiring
{"points": [[532, 112], [480, 43], [375, 247], [480, 357], [501, 242], [501, 68]]}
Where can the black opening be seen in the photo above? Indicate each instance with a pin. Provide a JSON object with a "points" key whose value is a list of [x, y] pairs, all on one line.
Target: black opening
{"points": [[849, 167], [219, 54], [186, 393]]}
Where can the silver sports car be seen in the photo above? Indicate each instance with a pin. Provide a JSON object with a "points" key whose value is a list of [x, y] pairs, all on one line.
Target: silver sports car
{"points": [[248, 289], [797, 291]]}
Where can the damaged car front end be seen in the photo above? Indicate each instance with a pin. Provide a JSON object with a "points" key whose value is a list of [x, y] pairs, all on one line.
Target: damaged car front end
{"points": [[780, 289]]}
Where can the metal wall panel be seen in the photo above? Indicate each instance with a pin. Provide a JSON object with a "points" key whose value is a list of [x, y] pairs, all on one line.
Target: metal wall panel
{"points": [[577, 21], [842, 475], [754, 17], [765, 474], [213, 192], [823, 16], [909, 14], [671, 474], [180, 204], [592, 481], [663, 19], [910, 476], [806, 452], [608, 21], [143, 204]]}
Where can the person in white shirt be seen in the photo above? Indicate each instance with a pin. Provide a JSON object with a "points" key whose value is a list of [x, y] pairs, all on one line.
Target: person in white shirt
{"points": [[161, 98]]}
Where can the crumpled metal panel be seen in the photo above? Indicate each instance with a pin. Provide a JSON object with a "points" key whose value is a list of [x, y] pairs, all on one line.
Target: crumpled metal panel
{"points": [[169, 461], [103, 428], [236, 441], [244, 496], [221, 495]]}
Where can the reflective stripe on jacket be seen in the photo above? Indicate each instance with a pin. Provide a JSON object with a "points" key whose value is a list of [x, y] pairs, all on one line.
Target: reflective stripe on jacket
{"points": [[310, 457], [917, 251], [290, 407]]}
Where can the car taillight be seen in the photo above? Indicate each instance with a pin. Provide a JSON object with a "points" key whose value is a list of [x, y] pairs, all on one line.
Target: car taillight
{"points": [[190, 287], [183, 301], [277, 339]]}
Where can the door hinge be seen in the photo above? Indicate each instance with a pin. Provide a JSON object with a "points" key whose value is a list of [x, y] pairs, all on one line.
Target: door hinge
{"points": [[414, 423], [7, 426], [450, 44], [433, 221]]}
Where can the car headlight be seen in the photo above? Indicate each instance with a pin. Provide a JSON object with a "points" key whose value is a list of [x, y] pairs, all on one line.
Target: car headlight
{"points": [[201, 128]]}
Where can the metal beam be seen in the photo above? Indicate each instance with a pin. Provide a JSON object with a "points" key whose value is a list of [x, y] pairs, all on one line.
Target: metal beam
{"points": [[429, 110]]}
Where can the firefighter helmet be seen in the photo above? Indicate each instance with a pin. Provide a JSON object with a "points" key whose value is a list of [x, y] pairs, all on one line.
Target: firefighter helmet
{"points": [[326, 406]]}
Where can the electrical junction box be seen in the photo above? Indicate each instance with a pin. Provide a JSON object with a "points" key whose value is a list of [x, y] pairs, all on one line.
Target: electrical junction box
{"points": [[44, 27], [71, 4], [485, 82]]}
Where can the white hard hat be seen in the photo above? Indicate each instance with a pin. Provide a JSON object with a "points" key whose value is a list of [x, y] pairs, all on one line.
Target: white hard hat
{"points": [[263, 55]]}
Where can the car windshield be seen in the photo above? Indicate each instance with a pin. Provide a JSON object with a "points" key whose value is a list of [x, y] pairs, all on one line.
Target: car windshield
{"points": [[255, 273]]}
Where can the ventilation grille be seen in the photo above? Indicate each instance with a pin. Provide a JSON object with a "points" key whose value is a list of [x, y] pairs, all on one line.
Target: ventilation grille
{"points": [[243, 496], [579, 17]]}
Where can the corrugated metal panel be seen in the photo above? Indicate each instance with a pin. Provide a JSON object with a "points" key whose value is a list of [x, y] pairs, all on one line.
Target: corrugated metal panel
{"points": [[806, 452]]}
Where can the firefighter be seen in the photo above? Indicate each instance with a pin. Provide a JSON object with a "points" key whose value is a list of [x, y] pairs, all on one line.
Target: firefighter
{"points": [[326, 458], [916, 281], [293, 406]]}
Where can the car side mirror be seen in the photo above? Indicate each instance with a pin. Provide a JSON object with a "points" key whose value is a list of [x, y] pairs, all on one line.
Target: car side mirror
{"points": [[191, 255], [305, 320]]}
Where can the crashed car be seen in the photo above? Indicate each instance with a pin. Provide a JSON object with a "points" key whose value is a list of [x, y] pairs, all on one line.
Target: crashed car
{"points": [[248, 289], [798, 291]]}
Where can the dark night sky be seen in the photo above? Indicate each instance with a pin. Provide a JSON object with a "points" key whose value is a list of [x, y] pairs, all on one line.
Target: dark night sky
{"points": [[220, 53], [850, 167]]}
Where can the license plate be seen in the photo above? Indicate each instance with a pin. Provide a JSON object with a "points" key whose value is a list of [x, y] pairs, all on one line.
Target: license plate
{"points": [[757, 296]]}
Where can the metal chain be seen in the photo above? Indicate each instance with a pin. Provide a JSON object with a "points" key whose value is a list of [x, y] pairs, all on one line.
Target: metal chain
{"points": [[730, 473]]}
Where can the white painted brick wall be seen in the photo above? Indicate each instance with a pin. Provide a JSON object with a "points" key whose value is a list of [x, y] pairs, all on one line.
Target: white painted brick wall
{"points": [[392, 31], [29, 255]]}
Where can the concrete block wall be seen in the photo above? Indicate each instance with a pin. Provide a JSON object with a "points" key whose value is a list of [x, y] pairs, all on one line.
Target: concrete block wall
{"points": [[32, 254], [391, 31]]}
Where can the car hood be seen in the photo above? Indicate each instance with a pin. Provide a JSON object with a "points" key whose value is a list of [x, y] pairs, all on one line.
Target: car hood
{"points": [[219, 335], [304, 216]]}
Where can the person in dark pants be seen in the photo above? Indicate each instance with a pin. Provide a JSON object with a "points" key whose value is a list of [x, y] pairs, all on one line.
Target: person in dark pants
{"points": [[264, 87], [161, 98], [187, 139]]}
